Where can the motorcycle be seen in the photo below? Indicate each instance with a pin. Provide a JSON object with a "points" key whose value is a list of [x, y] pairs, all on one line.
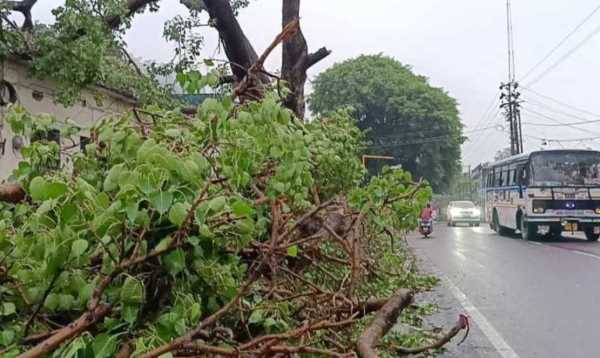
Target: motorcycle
{"points": [[426, 228]]}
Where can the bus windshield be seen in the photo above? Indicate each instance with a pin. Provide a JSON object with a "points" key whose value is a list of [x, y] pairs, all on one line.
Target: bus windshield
{"points": [[575, 168]]}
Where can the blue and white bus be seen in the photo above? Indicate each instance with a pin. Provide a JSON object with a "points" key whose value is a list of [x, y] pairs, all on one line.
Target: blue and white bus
{"points": [[543, 193]]}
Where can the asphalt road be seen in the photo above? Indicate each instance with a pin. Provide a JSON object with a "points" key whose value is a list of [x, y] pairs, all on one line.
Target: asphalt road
{"points": [[527, 299]]}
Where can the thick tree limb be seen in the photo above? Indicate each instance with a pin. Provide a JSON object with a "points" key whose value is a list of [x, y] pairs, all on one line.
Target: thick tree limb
{"points": [[462, 323], [24, 7], [72, 330], [385, 318], [315, 57], [237, 47], [11, 193], [133, 6]]}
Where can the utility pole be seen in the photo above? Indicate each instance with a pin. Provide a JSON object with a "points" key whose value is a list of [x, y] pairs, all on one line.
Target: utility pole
{"points": [[511, 105], [510, 94]]}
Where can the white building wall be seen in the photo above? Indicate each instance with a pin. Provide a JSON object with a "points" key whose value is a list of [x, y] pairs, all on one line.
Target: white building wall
{"points": [[39, 97]]}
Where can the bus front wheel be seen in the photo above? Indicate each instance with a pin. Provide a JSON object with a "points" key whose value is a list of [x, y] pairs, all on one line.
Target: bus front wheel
{"points": [[528, 231], [590, 236]]}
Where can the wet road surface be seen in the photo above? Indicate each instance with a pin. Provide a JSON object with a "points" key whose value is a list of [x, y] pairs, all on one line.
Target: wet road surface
{"points": [[529, 299]]}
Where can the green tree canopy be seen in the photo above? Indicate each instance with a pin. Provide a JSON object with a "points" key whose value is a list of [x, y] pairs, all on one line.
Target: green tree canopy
{"points": [[407, 118]]}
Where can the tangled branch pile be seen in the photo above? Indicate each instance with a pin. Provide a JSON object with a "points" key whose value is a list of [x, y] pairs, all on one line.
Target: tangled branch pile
{"points": [[239, 232]]}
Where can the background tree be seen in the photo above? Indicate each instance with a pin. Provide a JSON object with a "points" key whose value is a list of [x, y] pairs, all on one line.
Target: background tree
{"points": [[502, 154], [408, 118]]}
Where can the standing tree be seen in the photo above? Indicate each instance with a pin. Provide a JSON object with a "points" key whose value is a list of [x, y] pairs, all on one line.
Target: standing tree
{"points": [[408, 119]]}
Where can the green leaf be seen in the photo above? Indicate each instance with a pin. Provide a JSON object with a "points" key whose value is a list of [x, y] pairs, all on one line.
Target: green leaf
{"points": [[112, 178], [132, 291], [68, 212], [52, 301], [55, 190], [256, 317], [104, 346], [130, 313], [78, 247], [175, 261], [217, 204], [242, 208], [292, 251], [8, 308], [37, 188], [161, 201], [178, 213], [7, 336]]}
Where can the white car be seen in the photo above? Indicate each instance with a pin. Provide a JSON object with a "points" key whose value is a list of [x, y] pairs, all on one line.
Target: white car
{"points": [[463, 212]]}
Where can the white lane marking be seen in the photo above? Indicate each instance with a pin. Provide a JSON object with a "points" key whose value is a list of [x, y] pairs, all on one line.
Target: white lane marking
{"points": [[585, 254], [577, 252], [486, 327]]}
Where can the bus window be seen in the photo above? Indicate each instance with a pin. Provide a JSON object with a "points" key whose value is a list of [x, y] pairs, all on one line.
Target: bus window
{"points": [[522, 175]]}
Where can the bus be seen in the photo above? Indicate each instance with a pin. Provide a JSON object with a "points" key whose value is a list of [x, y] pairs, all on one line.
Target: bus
{"points": [[543, 194]]}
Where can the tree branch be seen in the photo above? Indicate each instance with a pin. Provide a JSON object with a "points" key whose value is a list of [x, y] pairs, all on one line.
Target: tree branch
{"points": [[385, 318], [72, 330], [133, 6], [462, 323], [315, 57], [24, 7], [11, 193]]}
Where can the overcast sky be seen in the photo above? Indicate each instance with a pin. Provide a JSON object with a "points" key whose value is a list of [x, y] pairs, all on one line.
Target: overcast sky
{"points": [[460, 45]]}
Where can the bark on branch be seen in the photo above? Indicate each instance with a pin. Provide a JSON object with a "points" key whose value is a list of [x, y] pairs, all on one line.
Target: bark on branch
{"points": [[68, 332], [133, 6], [11, 193], [384, 320]]}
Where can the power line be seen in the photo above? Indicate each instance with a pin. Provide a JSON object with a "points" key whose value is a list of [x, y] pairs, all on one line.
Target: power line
{"points": [[582, 120], [564, 57], [559, 122], [430, 139], [560, 102], [562, 42]]}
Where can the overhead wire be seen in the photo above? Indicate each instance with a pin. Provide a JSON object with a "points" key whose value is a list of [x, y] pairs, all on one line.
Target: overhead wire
{"points": [[561, 43], [564, 57], [562, 103], [543, 115]]}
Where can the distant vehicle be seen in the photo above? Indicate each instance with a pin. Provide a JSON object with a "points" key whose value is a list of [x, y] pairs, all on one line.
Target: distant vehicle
{"points": [[426, 227], [463, 212], [544, 193]]}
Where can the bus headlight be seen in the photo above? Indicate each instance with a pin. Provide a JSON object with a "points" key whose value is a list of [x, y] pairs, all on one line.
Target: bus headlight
{"points": [[541, 210], [598, 211]]}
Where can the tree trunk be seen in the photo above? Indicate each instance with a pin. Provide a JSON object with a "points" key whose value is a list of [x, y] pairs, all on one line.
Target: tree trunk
{"points": [[296, 60]]}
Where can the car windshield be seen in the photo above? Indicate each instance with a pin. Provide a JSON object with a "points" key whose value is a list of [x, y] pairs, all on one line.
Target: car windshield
{"points": [[463, 204], [565, 169]]}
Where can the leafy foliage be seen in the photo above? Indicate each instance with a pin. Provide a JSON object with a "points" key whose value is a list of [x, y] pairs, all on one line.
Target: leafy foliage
{"points": [[406, 117], [184, 196]]}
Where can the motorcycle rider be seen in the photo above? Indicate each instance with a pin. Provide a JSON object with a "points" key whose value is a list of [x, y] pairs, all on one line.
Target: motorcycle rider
{"points": [[427, 213], [426, 217]]}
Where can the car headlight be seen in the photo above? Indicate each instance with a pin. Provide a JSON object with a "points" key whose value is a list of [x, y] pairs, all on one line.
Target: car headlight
{"points": [[454, 212], [477, 212]]}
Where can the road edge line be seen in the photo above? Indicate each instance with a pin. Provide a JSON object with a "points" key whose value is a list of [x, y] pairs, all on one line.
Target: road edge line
{"points": [[482, 322]]}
